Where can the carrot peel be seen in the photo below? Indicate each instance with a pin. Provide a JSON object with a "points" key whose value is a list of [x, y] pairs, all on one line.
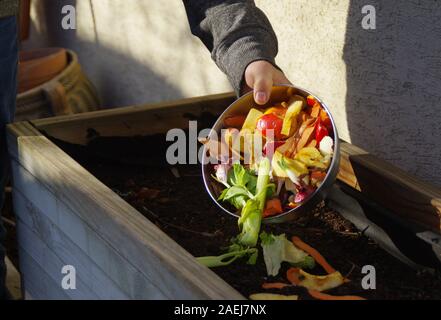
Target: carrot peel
{"points": [[313, 253], [275, 285], [293, 276]]}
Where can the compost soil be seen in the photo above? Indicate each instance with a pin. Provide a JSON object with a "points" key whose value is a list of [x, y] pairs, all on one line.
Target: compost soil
{"points": [[174, 198]]}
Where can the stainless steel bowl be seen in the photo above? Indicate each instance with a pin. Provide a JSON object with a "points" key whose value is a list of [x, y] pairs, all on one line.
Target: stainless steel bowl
{"points": [[242, 106]]}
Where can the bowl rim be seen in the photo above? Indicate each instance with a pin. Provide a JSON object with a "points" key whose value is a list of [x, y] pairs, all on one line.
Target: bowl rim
{"points": [[334, 161]]}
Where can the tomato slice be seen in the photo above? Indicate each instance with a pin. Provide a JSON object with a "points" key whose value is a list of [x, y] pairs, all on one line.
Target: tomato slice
{"points": [[320, 131], [311, 101]]}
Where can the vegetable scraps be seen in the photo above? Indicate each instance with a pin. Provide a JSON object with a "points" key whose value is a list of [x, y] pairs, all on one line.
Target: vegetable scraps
{"points": [[277, 249], [296, 136], [315, 284], [294, 154], [248, 193], [267, 179]]}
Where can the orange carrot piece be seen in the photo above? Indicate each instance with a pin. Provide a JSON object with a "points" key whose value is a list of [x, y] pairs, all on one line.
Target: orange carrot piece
{"points": [[275, 285], [272, 207], [323, 296], [315, 111], [234, 121], [306, 137], [279, 111], [318, 175], [313, 253], [323, 115], [293, 276], [312, 144]]}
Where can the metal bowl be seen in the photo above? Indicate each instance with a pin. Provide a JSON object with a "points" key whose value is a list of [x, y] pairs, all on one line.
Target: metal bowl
{"points": [[242, 106]]}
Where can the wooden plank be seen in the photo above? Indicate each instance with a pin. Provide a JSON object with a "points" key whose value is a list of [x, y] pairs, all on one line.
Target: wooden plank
{"points": [[38, 233], [79, 240], [42, 255], [37, 281], [13, 281], [401, 193], [161, 259], [134, 120]]}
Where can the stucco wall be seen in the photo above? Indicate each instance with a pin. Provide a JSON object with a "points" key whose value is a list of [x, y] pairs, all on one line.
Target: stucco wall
{"points": [[383, 85]]}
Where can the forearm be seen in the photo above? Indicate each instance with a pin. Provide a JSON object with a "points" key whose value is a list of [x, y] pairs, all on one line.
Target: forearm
{"points": [[236, 32]]}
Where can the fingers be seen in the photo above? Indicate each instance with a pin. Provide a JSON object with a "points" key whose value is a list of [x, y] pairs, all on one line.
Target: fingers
{"points": [[262, 88], [260, 76]]}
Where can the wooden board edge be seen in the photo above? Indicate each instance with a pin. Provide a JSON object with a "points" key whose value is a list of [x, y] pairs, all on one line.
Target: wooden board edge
{"points": [[21, 129], [391, 187], [204, 281], [70, 245], [41, 124]]}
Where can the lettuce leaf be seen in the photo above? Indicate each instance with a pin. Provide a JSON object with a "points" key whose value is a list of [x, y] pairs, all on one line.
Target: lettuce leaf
{"points": [[242, 186], [277, 249]]}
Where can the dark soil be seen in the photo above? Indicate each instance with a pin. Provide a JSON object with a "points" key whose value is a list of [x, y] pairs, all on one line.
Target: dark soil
{"points": [[181, 207]]}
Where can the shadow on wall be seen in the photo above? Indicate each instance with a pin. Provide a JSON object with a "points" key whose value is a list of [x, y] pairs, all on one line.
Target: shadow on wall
{"points": [[394, 84], [106, 67]]}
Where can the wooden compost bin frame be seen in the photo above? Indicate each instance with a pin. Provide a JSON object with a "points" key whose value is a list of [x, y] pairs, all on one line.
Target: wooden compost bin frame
{"points": [[66, 216]]}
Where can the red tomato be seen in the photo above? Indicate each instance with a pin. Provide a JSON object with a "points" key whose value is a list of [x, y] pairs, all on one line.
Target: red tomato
{"points": [[320, 131], [310, 100], [324, 119], [270, 122]]}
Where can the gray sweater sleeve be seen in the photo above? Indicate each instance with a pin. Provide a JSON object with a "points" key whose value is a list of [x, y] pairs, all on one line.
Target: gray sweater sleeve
{"points": [[235, 31]]}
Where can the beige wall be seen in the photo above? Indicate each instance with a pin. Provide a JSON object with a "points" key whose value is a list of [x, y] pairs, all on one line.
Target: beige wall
{"points": [[135, 51], [383, 85]]}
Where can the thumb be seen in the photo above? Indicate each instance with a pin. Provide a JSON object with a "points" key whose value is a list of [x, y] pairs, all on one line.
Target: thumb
{"points": [[262, 88]]}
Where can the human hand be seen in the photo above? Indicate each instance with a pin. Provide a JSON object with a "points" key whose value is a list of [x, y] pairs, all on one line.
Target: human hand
{"points": [[260, 76]]}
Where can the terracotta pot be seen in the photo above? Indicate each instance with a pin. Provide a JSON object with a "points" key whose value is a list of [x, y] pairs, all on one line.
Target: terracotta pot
{"points": [[39, 66], [68, 92]]}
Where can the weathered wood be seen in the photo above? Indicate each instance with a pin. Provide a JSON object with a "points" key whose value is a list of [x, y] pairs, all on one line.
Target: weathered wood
{"points": [[13, 282], [37, 282], [134, 120], [88, 251], [150, 250], [61, 250], [45, 258], [391, 187], [75, 233]]}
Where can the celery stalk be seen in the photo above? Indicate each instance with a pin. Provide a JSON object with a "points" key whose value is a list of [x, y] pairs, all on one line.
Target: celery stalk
{"points": [[251, 216]]}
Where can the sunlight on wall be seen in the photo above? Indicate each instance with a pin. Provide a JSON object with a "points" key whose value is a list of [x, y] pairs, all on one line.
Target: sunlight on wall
{"points": [[159, 37], [311, 36], [135, 52]]}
